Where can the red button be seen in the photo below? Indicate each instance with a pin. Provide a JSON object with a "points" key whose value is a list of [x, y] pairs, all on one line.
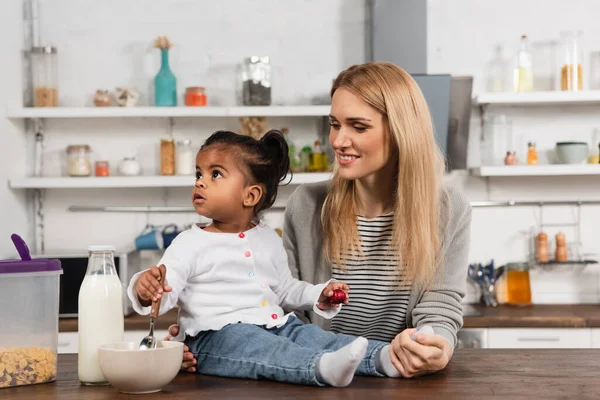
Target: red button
{"points": [[241, 235], [274, 316], [247, 254]]}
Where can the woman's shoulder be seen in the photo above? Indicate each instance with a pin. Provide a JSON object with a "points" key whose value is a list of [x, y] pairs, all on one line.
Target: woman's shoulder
{"points": [[455, 206], [308, 197]]}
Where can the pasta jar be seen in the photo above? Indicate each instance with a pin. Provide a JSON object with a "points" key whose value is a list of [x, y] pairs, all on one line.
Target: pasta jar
{"points": [[256, 78], [44, 76], [195, 96], [571, 72], [79, 160], [185, 161], [167, 156]]}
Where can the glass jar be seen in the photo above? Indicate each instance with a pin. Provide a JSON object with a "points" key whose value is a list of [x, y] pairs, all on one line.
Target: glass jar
{"points": [[571, 72], [44, 76], [102, 98], [129, 167], [532, 154], [100, 313], [79, 160], [517, 288], [256, 81], [167, 156], [195, 96], [496, 139], [186, 158], [102, 168]]}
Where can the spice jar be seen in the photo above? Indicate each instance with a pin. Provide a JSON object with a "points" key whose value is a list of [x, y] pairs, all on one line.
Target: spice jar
{"points": [[571, 73], [79, 160], [195, 96], [186, 159], [129, 167], [532, 155], [167, 156], [102, 98], [102, 168], [44, 76], [511, 158], [256, 78]]}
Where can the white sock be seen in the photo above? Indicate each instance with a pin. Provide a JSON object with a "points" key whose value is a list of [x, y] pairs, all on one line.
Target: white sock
{"points": [[383, 363], [337, 368]]}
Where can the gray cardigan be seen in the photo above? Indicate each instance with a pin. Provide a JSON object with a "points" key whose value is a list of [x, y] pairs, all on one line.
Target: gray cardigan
{"points": [[439, 306]]}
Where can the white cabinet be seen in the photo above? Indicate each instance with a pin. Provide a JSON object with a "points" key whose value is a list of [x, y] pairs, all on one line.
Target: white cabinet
{"points": [[539, 338], [68, 342], [595, 338]]}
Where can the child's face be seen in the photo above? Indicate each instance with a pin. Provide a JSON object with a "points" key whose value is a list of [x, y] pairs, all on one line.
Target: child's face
{"points": [[220, 186]]}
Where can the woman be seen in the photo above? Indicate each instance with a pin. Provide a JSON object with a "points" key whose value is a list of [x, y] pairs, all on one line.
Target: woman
{"points": [[384, 224]]}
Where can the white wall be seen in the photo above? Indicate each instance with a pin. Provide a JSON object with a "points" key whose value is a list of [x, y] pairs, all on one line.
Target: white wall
{"points": [[13, 213], [103, 45]]}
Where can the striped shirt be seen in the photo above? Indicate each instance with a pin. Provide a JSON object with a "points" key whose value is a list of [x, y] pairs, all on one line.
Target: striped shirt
{"points": [[377, 306]]}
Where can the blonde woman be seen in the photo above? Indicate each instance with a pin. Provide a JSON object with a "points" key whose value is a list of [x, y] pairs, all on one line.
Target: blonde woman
{"points": [[384, 224]]}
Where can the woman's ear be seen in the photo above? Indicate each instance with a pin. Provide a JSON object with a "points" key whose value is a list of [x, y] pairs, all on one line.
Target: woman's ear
{"points": [[252, 195]]}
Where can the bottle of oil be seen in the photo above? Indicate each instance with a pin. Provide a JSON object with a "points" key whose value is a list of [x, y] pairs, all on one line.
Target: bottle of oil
{"points": [[318, 158], [523, 73]]}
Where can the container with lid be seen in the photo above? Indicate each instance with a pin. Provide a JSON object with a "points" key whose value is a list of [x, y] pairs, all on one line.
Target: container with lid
{"points": [[167, 156], [79, 163], [44, 76], [185, 161], [29, 294], [513, 285], [195, 96], [256, 81]]}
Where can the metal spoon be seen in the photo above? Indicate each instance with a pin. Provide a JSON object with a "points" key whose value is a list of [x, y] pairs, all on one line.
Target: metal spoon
{"points": [[149, 342]]}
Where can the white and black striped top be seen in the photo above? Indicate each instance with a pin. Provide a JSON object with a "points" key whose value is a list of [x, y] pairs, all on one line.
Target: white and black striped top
{"points": [[377, 308]]}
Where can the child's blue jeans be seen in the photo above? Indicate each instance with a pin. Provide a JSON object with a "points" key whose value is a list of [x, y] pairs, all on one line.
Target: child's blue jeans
{"points": [[285, 354]]}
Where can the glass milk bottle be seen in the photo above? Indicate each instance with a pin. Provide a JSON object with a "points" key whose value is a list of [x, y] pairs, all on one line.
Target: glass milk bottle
{"points": [[100, 312]]}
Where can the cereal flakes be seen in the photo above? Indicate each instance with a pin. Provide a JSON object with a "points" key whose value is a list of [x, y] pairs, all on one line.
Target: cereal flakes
{"points": [[26, 365]]}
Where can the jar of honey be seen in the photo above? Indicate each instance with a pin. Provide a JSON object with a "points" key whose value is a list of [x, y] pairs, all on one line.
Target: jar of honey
{"points": [[195, 96], [515, 287]]}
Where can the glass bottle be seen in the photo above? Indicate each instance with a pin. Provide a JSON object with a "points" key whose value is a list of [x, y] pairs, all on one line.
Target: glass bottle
{"points": [[165, 83], [294, 157], [571, 73], [100, 312], [305, 156], [532, 155], [318, 161], [256, 81], [44, 76], [496, 71], [523, 73]]}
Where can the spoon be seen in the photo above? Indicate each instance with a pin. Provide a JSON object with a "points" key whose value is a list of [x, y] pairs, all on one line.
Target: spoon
{"points": [[149, 342]]}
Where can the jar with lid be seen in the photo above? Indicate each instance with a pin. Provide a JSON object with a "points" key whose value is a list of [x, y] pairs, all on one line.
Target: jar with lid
{"points": [[79, 163], [195, 96], [256, 81], [102, 168], [532, 154], [185, 162], [514, 284], [129, 167], [167, 156], [571, 72], [44, 76]]}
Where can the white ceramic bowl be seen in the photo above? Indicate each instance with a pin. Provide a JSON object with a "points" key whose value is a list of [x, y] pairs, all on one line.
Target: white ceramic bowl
{"points": [[571, 152], [140, 371]]}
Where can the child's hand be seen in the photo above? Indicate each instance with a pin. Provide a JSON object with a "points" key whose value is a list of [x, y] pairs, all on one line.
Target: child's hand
{"points": [[324, 299], [148, 287]]}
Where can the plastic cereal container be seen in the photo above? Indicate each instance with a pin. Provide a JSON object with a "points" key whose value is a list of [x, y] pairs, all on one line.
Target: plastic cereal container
{"points": [[29, 295]]}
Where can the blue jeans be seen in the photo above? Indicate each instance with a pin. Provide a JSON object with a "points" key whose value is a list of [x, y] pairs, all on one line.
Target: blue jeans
{"points": [[285, 354]]}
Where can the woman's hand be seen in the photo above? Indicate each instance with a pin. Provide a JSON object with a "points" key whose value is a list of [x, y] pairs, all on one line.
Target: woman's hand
{"points": [[188, 363], [324, 303], [428, 354]]}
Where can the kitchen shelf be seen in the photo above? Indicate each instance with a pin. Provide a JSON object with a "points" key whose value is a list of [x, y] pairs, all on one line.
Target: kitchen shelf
{"points": [[168, 112], [538, 170], [538, 98], [573, 262], [135, 181]]}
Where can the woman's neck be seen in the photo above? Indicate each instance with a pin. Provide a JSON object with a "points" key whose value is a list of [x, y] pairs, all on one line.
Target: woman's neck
{"points": [[375, 194]]}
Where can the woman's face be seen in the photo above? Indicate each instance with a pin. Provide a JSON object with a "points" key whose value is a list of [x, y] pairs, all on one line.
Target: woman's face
{"points": [[358, 135]]}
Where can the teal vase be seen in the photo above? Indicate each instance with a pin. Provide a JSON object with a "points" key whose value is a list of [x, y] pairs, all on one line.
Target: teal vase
{"points": [[165, 83]]}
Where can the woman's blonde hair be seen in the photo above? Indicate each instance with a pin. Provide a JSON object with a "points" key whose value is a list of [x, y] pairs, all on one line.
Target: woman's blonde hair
{"points": [[416, 232]]}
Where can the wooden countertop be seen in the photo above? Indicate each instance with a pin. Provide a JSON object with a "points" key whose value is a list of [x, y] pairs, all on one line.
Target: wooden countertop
{"points": [[472, 374], [536, 316]]}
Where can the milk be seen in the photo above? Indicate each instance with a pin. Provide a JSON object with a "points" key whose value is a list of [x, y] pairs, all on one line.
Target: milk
{"points": [[100, 322]]}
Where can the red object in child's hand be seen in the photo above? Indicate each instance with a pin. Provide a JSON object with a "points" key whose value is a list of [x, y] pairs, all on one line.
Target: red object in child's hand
{"points": [[338, 296]]}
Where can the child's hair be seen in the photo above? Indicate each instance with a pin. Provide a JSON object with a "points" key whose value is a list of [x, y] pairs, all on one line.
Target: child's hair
{"points": [[265, 162]]}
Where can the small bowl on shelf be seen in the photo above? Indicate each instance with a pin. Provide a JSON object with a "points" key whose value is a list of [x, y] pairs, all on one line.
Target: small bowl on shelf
{"points": [[571, 152]]}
